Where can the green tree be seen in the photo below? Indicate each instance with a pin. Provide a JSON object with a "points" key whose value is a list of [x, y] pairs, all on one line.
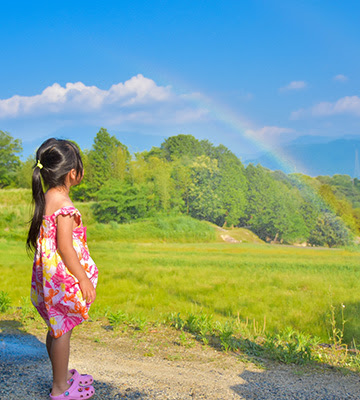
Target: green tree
{"points": [[9, 160], [24, 173], [312, 204], [108, 158], [85, 190], [232, 186], [330, 231], [287, 219], [121, 202], [163, 184], [356, 215], [344, 187], [181, 174], [157, 174], [139, 170], [193, 164], [340, 207], [273, 208], [260, 198], [180, 146], [205, 201]]}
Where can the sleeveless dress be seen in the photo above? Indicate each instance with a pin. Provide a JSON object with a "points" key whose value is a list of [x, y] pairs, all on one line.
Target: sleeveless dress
{"points": [[55, 292]]}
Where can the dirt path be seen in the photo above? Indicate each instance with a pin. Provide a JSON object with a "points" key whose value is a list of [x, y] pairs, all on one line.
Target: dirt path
{"points": [[158, 365]]}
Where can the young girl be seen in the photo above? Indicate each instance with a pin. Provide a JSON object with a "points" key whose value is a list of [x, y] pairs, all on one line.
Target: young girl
{"points": [[64, 276]]}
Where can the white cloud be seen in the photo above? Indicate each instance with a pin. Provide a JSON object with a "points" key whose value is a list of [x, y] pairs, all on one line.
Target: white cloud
{"points": [[294, 85], [81, 98], [269, 132], [340, 78], [345, 105], [139, 100]]}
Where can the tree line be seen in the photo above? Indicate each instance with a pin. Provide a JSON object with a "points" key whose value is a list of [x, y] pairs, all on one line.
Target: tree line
{"points": [[194, 177]]}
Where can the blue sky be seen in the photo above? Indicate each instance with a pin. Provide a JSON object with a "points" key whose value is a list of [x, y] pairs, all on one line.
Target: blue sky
{"points": [[248, 74]]}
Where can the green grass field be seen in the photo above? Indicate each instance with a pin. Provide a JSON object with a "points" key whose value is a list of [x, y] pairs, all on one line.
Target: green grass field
{"points": [[152, 274]]}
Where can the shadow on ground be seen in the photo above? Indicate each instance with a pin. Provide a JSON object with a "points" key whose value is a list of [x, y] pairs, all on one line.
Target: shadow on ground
{"points": [[282, 384], [25, 370]]}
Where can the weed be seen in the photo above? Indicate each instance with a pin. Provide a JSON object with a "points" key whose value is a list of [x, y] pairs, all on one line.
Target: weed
{"points": [[339, 351], [115, 319], [5, 301], [226, 332], [119, 317], [337, 334], [139, 324], [201, 326], [184, 340], [290, 346], [176, 321]]}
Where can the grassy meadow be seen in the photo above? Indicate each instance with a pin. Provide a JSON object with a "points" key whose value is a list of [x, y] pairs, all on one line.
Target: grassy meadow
{"points": [[174, 264]]}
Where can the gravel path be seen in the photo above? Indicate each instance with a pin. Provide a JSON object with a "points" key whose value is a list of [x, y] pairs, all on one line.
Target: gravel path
{"points": [[156, 366]]}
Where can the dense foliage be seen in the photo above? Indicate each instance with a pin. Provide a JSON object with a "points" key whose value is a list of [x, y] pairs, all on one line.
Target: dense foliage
{"points": [[9, 160], [207, 182]]}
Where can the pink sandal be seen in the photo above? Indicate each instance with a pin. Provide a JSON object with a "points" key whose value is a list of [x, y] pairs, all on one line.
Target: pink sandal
{"points": [[75, 392], [83, 379]]}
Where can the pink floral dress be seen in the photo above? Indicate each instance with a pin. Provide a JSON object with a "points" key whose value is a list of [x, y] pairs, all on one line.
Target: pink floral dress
{"points": [[55, 292]]}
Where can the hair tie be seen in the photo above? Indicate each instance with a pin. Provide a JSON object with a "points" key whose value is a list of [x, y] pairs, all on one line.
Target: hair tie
{"points": [[39, 165]]}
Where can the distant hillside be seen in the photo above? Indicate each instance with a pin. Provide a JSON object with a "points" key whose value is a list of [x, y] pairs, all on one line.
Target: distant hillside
{"points": [[334, 157]]}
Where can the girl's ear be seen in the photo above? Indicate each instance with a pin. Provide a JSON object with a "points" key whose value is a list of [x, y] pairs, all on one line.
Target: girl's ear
{"points": [[73, 174], [73, 178]]}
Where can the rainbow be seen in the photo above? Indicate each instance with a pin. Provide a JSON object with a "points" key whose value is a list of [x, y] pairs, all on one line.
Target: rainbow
{"points": [[245, 128]]}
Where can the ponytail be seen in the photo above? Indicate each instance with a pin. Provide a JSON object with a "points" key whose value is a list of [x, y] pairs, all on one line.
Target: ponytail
{"points": [[55, 159], [39, 204]]}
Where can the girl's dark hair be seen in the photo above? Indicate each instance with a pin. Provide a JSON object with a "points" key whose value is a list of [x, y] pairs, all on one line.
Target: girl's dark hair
{"points": [[55, 158]]}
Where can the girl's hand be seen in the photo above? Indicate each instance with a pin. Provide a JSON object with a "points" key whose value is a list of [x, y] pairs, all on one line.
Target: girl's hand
{"points": [[87, 290]]}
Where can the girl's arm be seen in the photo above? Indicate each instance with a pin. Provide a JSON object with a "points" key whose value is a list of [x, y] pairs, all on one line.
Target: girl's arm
{"points": [[65, 224]]}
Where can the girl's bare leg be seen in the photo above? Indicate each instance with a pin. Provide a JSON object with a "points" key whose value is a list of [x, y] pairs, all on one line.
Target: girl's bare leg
{"points": [[49, 340], [59, 352]]}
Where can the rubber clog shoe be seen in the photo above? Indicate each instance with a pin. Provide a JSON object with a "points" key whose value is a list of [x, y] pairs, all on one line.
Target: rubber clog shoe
{"points": [[83, 379], [76, 392]]}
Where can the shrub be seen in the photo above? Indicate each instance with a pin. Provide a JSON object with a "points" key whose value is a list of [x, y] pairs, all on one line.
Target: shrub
{"points": [[330, 231]]}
